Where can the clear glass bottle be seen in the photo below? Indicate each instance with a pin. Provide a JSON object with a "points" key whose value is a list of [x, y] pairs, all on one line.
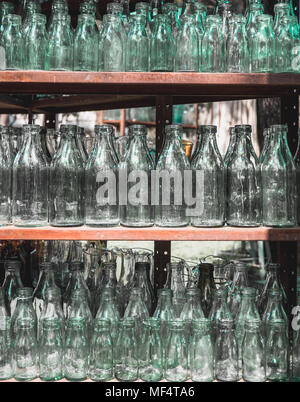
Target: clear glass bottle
{"points": [[45, 281], [224, 10], [243, 187], [162, 48], [137, 310], [137, 45], [267, 137], [141, 279], [76, 351], [151, 352], [206, 285], [239, 282], [30, 181], [281, 9], [164, 312], [170, 210], [208, 181], [191, 311], [231, 145], [60, 45], [263, 45], [12, 282], [24, 309], [6, 162], [113, 44], [135, 206], [175, 282], [284, 43], [35, 43], [52, 310], [51, 351], [12, 44], [6, 351], [187, 45], [201, 351], [274, 311], [278, 174], [253, 353], [171, 10], [4, 313], [176, 353], [226, 353], [101, 200], [212, 45], [80, 141], [255, 9], [66, 181], [25, 350], [5, 9], [237, 50], [277, 351], [101, 352], [58, 7], [85, 39], [219, 311], [126, 352]]}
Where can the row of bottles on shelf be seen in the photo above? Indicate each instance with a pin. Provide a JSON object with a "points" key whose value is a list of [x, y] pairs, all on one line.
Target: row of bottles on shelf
{"points": [[199, 329], [107, 187], [172, 40]]}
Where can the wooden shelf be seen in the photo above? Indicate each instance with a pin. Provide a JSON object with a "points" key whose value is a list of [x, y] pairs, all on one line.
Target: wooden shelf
{"points": [[154, 233]]}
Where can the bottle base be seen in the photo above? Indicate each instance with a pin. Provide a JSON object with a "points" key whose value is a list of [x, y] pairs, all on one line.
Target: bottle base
{"points": [[102, 224], [135, 225]]}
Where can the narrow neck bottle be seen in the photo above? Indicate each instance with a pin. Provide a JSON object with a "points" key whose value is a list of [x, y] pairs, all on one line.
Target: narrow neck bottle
{"points": [[12, 282]]}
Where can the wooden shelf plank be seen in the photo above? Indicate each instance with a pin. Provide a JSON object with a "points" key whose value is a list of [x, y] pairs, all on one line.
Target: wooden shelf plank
{"points": [[154, 233]]}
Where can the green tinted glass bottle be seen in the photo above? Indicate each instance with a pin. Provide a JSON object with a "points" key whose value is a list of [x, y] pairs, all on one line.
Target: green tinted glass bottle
{"points": [[201, 351], [58, 7], [187, 45], [85, 39], [137, 45], [12, 282], [212, 45], [237, 49], [5, 9], [164, 312], [114, 44], [60, 44], [255, 9], [277, 351], [126, 352], [6, 351], [171, 10], [274, 311], [219, 311], [284, 43], [281, 9], [24, 310], [79, 308], [263, 45], [12, 44], [35, 43], [162, 48], [191, 311]]}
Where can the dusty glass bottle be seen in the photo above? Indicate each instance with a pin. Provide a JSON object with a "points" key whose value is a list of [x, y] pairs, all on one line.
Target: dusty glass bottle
{"points": [[277, 351], [12, 43], [66, 181], [239, 282], [12, 282], [208, 181], [51, 351], [52, 310], [137, 45], [35, 43], [175, 282], [85, 39], [101, 352], [176, 353], [25, 351], [255, 9], [76, 351], [263, 45], [212, 45], [101, 181], [141, 279], [187, 45], [6, 351], [253, 353], [243, 188], [162, 47], [126, 352], [191, 311], [237, 49], [171, 165], [206, 285], [219, 311], [201, 351], [164, 312], [137, 310], [45, 281], [278, 174], [6, 162], [60, 45], [284, 43], [151, 352], [30, 181]]}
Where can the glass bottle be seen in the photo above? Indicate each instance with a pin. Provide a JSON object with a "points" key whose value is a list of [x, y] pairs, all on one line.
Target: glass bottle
{"points": [[253, 352], [79, 307], [219, 311], [255, 9], [87, 7], [51, 351], [66, 181], [35, 43], [170, 209], [284, 43], [243, 189], [206, 285], [191, 311], [231, 145], [176, 353], [278, 174], [272, 281], [247, 311], [187, 45], [60, 45], [226, 352], [141, 279], [164, 312], [135, 206], [237, 50], [5, 9], [208, 181], [101, 352], [239, 282], [58, 7], [267, 137], [200, 11], [281, 9], [6, 351], [5, 178], [263, 45], [101, 181], [45, 281], [212, 45], [113, 44], [126, 351], [175, 282], [12, 44], [137, 45], [76, 350], [162, 48], [25, 350], [151, 352], [52, 310], [12, 282], [277, 351], [85, 39], [224, 10], [4, 313], [137, 310], [274, 311], [201, 351], [30, 181], [80, 137], [171, 10], [24, 310]]}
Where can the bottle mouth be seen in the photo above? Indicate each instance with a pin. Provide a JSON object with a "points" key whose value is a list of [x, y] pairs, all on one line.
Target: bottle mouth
{"points": [[104, 129]]}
